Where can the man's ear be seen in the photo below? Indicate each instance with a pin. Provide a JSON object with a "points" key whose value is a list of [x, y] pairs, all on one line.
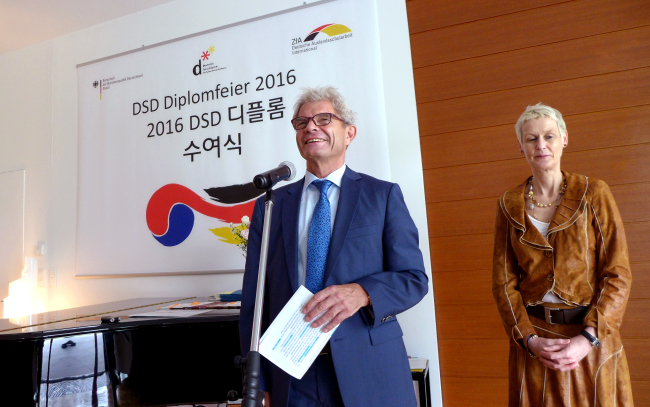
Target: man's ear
{"points": [[350, 134]]}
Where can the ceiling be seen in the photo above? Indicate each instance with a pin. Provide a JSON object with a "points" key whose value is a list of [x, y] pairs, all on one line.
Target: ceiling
{"points": [[27, 22]]}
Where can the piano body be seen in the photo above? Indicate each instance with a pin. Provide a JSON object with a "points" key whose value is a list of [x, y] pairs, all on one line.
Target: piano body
{"points": [[70, 358]]}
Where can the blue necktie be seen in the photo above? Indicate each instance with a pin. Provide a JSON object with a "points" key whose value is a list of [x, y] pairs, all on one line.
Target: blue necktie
{"points": [[318, 243]]}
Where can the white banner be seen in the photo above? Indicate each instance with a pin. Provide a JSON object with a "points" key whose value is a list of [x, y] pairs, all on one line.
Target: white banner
{"points": [[168, 134]]}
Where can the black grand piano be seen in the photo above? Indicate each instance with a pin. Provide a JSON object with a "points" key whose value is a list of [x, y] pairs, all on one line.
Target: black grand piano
{"points": [[70, 358]]}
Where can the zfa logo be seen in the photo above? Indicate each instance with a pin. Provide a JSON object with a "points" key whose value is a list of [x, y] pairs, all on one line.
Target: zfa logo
{"points": [[330, 29], [205, 55]]}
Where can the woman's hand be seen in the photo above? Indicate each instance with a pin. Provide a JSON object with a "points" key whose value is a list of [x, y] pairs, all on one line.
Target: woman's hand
{"points": [[539, 345], [561, 354]]}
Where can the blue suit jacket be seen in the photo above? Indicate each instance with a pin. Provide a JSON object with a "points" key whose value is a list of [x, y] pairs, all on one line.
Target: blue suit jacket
{"points": [[375, 244]]}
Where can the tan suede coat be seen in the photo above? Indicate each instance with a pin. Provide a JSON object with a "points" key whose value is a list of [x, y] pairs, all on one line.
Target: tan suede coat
{"points": [[584, 261]]}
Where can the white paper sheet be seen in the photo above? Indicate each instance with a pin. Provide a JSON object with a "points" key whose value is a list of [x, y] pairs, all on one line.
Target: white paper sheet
{"points": [[290, 342], [418, 364]]}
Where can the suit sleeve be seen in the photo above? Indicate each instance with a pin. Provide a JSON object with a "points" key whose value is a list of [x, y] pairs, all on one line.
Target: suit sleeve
{"points": [[403, 283], [505, 280], [249, 290], [613, 278]]}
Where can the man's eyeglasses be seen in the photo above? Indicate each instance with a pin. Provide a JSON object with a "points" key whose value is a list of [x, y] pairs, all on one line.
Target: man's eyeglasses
{"points": [[321, 119]]}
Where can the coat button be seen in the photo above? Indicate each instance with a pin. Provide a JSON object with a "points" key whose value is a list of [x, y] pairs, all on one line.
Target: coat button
{"points": [[550, 277], [548, 253]]}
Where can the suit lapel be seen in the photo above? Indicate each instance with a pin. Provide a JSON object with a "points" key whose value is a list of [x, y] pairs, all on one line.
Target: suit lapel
{"points": [[290, 211], [348, 200]]}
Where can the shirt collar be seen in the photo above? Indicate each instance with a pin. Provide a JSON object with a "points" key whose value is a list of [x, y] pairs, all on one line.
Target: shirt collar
{"points": [[336, 177]]}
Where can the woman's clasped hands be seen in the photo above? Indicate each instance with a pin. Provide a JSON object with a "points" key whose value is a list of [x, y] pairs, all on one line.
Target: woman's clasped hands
{"points": [[560, 354]]}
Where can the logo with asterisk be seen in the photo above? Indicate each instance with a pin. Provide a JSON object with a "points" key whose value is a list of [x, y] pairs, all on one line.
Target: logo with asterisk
{"points": [[205, 65], [206, 54]]}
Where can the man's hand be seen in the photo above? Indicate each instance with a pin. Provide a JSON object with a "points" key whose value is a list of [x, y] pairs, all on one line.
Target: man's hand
{"points": [[267, 399], [339, 302], [561, 354]]}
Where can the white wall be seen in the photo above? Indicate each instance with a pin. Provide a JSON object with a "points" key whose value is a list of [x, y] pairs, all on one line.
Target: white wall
{"points": [[38, 112], [25, 140], [12, 203], [419, 323]]}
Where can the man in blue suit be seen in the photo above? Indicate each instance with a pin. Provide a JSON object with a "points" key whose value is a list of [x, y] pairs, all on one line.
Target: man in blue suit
{"points": [[350, 239]]}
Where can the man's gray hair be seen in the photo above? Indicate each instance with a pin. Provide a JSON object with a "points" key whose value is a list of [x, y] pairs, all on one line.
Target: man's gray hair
{"points": [[535, 112], [330, 94]]}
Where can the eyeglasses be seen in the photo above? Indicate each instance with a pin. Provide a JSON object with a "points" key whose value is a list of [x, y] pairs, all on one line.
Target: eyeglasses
{"points": [[321, 119]]}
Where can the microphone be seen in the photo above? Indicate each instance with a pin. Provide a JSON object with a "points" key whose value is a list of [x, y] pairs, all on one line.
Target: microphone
{"points": [[284, 172]]}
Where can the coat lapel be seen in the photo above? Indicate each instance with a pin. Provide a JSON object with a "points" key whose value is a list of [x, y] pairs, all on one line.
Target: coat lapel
{"points": [[513, 204], [290, 210], [576, 187], [348, 200]]}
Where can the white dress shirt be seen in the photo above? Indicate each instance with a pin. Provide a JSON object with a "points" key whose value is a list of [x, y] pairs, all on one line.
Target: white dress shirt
{"points": [[308, 201]]}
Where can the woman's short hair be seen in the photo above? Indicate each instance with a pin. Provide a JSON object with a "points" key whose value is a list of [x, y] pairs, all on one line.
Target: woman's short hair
{"points": [[330, 94], [535, 112]]}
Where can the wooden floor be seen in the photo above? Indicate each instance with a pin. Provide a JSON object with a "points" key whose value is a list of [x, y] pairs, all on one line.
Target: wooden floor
{"points": [[477, 65]]}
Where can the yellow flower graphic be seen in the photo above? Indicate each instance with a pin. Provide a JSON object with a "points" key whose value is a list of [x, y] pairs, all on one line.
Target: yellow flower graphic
{"points": [[225, 235]]}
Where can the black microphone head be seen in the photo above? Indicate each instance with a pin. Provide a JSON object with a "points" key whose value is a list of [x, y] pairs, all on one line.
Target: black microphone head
{"points": [[285, 171], [292, 168]]}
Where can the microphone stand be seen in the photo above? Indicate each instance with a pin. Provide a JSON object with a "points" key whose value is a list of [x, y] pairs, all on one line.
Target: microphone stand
{"points": [[251, 393]]}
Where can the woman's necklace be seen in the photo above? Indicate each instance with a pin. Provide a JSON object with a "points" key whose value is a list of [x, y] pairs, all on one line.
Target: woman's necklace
{"points": [[534, 202]]}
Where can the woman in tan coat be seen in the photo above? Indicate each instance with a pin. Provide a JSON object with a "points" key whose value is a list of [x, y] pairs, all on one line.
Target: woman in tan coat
{"points": [[561, 278]]}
